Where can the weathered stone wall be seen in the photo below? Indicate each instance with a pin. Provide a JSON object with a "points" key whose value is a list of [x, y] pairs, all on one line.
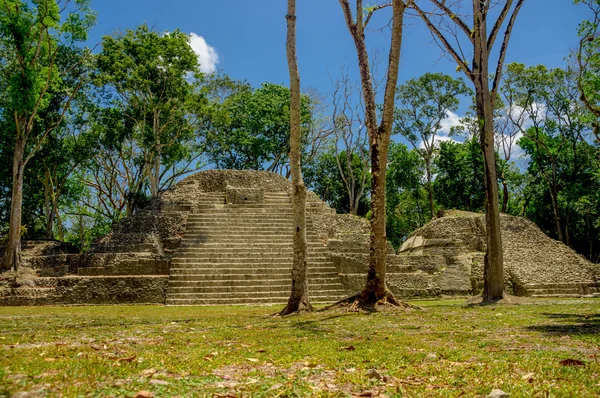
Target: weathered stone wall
{"points": [[73, 290], [532, 260]]}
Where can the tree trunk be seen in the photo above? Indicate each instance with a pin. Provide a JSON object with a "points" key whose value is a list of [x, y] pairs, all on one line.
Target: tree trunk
{"points": [[555, 209], [12, 253], [376, 287], [379, 137], [154, 166], [299, 298], [430, 189], [494, 258], [504, 196], [48, 209]]}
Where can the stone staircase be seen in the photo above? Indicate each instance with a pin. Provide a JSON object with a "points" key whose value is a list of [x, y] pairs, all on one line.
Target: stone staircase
{"points": [[242, 254], [557, 290]]}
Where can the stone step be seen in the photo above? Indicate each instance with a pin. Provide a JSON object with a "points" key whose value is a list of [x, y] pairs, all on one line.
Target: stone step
{"points": [[258, 219], [235, 281], [243, 265], [232, 225], [201, 272], [245, 250], [243, 211], [245, 260], [135, 248], [554, 295], [258, 289], [247, 295], [315, 299], [255, 241], [241, 229], [185, 243], [559, 285]]}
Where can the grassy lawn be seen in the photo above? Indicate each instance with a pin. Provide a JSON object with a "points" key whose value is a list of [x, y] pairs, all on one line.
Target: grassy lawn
{"points": [[446, 350]]}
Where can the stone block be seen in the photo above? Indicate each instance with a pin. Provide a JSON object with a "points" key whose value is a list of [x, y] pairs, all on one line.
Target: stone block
{"points": [[237, 195]]}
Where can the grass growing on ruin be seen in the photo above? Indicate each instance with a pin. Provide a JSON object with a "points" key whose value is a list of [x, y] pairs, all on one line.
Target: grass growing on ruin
{"points": [[530, 350]]}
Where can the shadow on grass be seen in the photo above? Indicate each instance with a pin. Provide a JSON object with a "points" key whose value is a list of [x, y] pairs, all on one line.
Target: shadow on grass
{"points": [[316, 326], [569, 324]]}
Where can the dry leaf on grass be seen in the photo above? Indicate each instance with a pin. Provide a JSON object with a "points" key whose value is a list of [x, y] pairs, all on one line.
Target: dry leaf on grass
{"points": [[571, 362]]}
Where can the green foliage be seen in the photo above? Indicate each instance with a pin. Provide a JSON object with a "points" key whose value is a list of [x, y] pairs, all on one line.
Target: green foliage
{"points": [[587, 59], [323, 177], [460, 176], [423, 103], [406, 197], [151, 82], [249, 129]]}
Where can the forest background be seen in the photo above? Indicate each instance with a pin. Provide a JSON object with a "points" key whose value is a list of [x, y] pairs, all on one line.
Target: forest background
{"points": [[112, 110]]}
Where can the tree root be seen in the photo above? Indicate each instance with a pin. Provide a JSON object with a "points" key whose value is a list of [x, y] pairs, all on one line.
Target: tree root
{"points": [[303, 307], [358, 303], [507, 299]]}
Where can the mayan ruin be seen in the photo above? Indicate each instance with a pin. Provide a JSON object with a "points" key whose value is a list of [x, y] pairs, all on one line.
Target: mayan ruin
{"points": [[224, 237]]}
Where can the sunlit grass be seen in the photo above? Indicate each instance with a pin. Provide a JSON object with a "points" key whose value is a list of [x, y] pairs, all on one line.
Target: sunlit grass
{"points": [[445, 350]]}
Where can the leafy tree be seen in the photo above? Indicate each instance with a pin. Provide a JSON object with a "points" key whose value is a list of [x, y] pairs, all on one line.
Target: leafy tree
{"points": [[406, 198], [459, 176], [152, 79], [587, 60], [379, 133], [557, 121], [481, 40], [250, 129], [32, 34], [422, 105], [323, 176]]}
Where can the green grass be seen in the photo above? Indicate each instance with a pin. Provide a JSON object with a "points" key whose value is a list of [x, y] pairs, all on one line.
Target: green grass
{"points": [[446, 350]]}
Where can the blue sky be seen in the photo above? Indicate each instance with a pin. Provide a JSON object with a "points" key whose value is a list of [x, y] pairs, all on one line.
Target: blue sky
{"points": [[249, 36]]}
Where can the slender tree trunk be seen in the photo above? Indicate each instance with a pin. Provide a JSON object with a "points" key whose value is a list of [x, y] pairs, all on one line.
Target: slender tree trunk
{"points": [[153, 167], [12, 254], [379, 137], [376, 287], [494, 258], [61, 232], [504, 196], [430, 189], [555, 209], [299, 298], [48, 209]]}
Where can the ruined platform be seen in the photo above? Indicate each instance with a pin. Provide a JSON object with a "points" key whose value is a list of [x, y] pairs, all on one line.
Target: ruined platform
{"points": [[223, 237]]}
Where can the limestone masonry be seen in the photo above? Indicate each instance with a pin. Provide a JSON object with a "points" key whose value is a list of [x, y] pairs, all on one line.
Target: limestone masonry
{"points": [[225, 237]]}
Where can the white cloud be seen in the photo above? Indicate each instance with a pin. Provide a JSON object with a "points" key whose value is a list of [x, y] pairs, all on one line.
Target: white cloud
{"points": [[438, 139], [207, 55], [443, 134], [451, 120]]}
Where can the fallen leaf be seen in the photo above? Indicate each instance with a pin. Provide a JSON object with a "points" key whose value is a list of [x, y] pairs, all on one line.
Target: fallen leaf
{"points": [[572, 362], [144, 394], [49, 359], [373, 374], [528, 377], [127, 359], [349, 348], [253, 360], [261, 350], [158, 382], [148, 372], [497, 393]]}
